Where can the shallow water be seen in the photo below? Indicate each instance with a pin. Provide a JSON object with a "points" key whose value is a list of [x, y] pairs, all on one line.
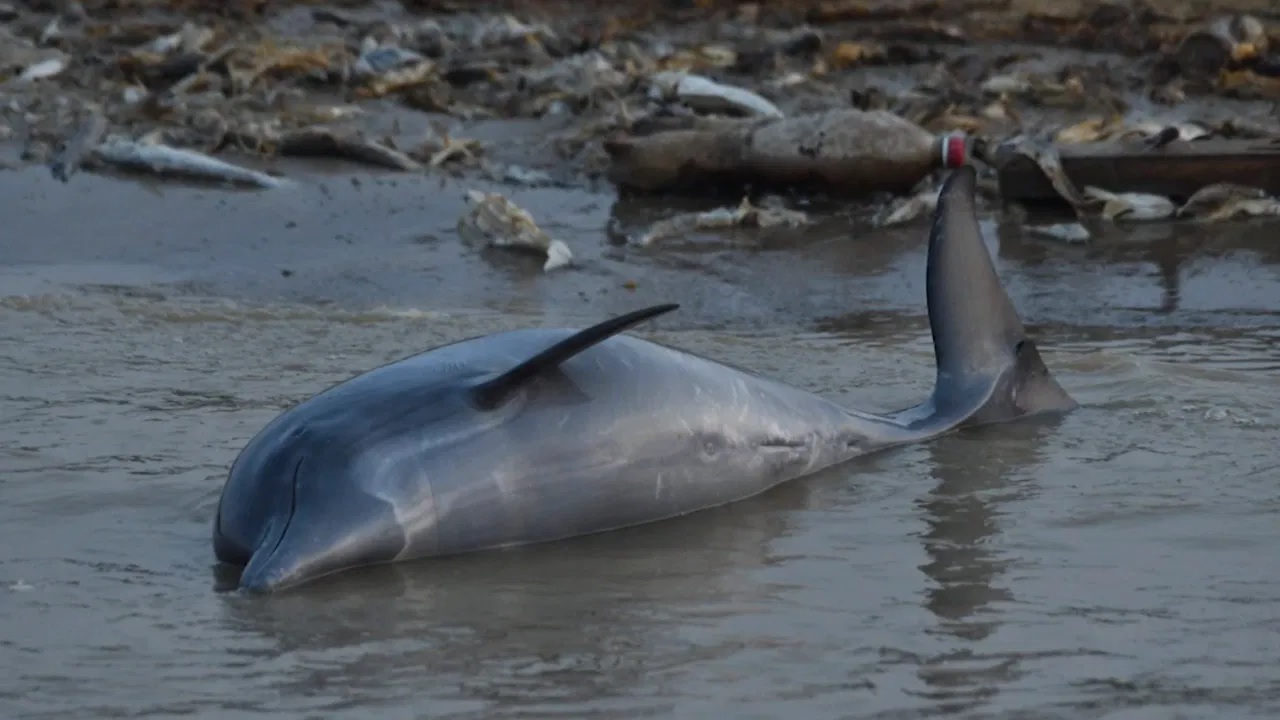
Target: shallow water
{"points": [[1118, 563]]}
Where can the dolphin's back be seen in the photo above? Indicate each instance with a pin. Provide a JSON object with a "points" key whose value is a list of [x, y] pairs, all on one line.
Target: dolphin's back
{"points": [[624, 433]]}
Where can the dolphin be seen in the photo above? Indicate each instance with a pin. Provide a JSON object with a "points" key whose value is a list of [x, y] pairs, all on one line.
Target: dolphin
{"points": [[541, 434]]}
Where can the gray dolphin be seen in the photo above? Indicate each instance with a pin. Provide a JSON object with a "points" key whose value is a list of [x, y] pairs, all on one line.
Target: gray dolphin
{"points": [[542, 434]]}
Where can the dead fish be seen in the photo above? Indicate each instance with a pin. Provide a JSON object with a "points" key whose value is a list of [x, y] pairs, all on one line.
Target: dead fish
{"points": [[1000, 110], [1244, 208], [326, 142], [789, 80], [744, 215], [46, 68], [908, 209], [692, 59], [1210, 197], [507, 28], [525, 176], [1086, 131], [1006, 85], [1162, 138], [379, 59], [383, 70], [1043, 90], [1130, 206], [1073, 233], [1245, 128], [582, 75], [1224, 201], [1150, 130], [501, 223], [706, 95], [190, 38], [20, 55], [442, 148], [165, 160], [1045, 155], [67, 161]]}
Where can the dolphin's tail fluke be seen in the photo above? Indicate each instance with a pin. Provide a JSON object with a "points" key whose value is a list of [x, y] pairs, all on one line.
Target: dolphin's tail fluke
{"points": [[988, 369]]}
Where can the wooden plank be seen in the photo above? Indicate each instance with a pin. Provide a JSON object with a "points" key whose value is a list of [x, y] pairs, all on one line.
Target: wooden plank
{"points": [[1176, 170]]}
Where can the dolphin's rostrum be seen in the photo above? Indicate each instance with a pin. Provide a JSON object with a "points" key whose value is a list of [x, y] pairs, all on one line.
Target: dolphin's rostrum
{"points": [[543, 434]]}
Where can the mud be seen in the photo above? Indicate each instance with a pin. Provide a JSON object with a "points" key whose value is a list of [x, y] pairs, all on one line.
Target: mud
{"points": [[1116, 564], [362, 241]]}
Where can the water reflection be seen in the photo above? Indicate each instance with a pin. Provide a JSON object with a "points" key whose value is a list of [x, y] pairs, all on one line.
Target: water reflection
{"points": [[1167, 252], [530, 630], [976, 474], [1131, 274]]}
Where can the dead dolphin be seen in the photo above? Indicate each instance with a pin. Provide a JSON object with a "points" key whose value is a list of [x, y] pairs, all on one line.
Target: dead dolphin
{"points": [[541, 434]]}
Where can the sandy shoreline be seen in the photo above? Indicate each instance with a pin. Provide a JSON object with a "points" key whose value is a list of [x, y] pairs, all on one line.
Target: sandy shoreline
{"points": [[350, 241], [352, 235]]}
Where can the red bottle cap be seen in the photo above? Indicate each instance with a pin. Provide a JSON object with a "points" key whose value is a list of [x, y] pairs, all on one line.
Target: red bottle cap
{"points": [[954, 152]]}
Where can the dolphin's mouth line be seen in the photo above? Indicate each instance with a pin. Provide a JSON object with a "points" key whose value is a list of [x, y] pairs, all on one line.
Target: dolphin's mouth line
{"points": [[293, 507]]}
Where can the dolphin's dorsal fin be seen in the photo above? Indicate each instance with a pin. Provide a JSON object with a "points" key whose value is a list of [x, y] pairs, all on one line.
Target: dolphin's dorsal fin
{"points": [[492, 393]]}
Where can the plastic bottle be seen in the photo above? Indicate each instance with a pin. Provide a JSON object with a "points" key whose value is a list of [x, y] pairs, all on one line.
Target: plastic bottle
{"points": [[842, 152]]}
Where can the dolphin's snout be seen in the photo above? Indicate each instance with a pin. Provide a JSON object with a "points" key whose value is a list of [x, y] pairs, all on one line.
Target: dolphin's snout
{"points": [[274, 563], [269, 576], [260, 582], [295, 560], [323, 534], [269, 566]]}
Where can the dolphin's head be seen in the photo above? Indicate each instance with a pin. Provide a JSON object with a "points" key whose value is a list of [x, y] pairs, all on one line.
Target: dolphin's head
{"points": [[293, 509], [984, 354], [345, 479]]}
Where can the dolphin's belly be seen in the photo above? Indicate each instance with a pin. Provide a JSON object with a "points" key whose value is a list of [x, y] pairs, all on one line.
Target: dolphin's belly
{"points": [[632, 433]]}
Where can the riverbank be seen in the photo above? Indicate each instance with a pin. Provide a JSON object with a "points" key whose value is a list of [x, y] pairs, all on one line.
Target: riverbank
{"points": [[352, 241], [418, 86]]}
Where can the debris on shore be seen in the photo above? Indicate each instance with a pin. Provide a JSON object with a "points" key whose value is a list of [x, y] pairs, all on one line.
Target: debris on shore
{"points": [[497, 221], [903, 210], [744, 215], [153, 157], [701, 94], [78, 147], [1175, 169], [1227, 201], [1223, 44], [349, 145], [1130, 206], [1070, 233], [442, 149], [845, 151], [836, 96]]}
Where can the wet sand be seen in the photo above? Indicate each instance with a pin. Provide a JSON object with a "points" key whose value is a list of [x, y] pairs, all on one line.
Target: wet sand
{"points": [[1116, 564], [353, 240]]}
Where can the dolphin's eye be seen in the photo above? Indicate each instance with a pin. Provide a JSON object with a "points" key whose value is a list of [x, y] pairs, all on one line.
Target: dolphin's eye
{"points": [[1017, 349]]}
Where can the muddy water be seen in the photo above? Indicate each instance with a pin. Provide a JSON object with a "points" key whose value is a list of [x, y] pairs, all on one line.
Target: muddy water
{"points": [[1119, 563]]}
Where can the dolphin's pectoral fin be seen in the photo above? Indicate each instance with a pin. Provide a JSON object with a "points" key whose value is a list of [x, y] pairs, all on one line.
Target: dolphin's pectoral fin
{"points": [[492, 393]]}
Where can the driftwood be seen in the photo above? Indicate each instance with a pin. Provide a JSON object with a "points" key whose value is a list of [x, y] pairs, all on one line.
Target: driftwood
{"points": [[1176, 170]]}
